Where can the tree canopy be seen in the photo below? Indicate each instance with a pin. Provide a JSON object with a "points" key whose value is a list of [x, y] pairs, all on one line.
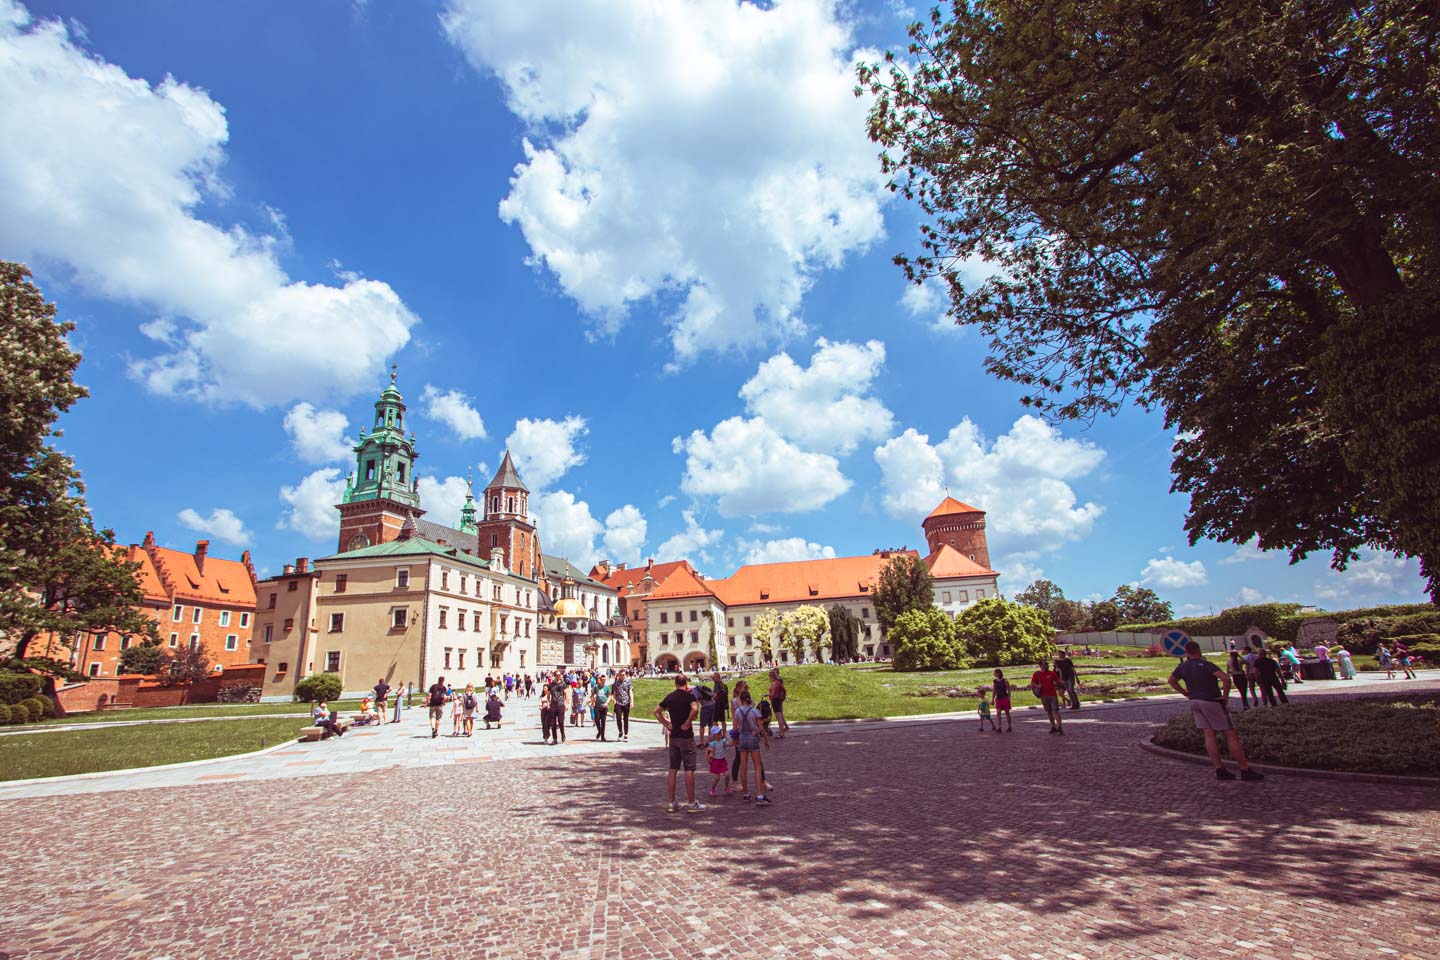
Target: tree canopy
{"points": [[1231, 211], [998, 633], [1140, 605], [845, 632], [905, 584], [58, 573], [925, 640]]}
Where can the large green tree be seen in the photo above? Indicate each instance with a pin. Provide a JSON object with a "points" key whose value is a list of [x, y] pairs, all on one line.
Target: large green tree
{"points": [[1141, 605], [845, 632], [999, 633], [1231, 210], [58, 573], [905, 584], [925, 640], [1046, 595]]}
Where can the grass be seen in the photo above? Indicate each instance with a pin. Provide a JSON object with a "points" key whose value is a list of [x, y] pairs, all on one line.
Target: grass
{"points": [[194, 710], [1393, 734], [869, 690], [119, 748]]}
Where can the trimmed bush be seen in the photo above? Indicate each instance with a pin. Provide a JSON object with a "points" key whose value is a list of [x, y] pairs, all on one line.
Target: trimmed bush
{"points": [[19, 713], [52, 709], [15, 687], [36, 705], [4, 714], [998, 633], [319, 686], [925, 640]]}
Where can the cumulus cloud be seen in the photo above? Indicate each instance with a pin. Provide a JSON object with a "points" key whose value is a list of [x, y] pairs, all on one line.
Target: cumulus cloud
{"points": [[1021, 479], [1018, 572], [221, 524], [752, 469], [442, 499], [1374, 576], [101, 178], [822, 407], [569, 529], [318, 436], [1168, 573], [545, 449], [690, 543], [453, 409], [1247, 596], [783, 550], [630, 189], [312, 504], [625, 531], [1250, 550]]}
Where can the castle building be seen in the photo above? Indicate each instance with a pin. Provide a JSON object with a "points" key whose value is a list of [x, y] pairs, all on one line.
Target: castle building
{"points": [[633, 587]]}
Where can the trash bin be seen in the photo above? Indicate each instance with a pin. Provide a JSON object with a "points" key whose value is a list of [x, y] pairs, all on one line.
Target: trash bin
{"points": [[1317, 670]]}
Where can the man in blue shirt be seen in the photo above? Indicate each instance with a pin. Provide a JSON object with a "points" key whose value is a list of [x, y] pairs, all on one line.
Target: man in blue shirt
{"points": [[1206, 686]]}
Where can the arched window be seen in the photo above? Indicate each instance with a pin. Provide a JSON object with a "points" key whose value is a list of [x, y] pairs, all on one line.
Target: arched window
{"points": [[510, 505]]}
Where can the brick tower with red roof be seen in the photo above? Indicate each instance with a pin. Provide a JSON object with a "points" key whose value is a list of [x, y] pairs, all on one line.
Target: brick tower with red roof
{"points": [[958, 525]]}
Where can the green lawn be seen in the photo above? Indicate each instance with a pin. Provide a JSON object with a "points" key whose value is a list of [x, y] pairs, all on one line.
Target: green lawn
{"points": [[196, 710], [148, 745], [875, 690]]}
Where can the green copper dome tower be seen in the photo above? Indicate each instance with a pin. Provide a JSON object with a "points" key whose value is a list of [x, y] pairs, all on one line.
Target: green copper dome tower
{"points": [[381, 492]]}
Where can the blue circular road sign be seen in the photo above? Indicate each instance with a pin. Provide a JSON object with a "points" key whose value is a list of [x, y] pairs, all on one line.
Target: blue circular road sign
{"points": [[1174, 642]]}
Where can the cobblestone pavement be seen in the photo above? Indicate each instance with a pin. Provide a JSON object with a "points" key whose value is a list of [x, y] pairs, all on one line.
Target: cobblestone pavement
{"points": [[916, 840]]}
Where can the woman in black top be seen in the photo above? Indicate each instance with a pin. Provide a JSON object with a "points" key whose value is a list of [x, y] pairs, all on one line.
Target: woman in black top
{"points": [[1236, 670], [1272, 686]]}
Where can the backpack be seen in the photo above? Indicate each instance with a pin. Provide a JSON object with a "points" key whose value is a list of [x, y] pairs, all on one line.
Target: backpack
{"points": [[437, 698], [469, 701], [765, 712]]}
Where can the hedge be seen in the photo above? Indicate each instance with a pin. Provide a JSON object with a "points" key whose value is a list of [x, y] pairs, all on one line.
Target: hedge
{"points": [[1280, 620], [4, 714], [319, 686], [15, 687], [19, 713], [1364, 634]]}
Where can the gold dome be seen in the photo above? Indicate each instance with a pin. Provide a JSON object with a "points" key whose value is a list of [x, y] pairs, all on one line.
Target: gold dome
{"points": [[569, 608]]}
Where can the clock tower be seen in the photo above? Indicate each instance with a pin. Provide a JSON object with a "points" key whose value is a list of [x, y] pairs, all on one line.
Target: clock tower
{"points": [[380, 493]]}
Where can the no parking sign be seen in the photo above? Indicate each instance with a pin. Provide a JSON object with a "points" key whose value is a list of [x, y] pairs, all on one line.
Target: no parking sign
{"points": [[1174, 642]]}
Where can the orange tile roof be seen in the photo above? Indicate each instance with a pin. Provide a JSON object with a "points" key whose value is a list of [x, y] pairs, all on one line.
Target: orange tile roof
{"points": [[949, 562], [224, 581], [624, 579], [150, 584], [682, 583], [950, 506], [799, 581]]}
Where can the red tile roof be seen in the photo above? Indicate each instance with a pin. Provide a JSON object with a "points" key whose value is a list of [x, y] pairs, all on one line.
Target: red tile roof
{"points": [[224, 582], [949, 562], [682, 582], [799, 581], [150, 584], [624, 579], [950, 506]]}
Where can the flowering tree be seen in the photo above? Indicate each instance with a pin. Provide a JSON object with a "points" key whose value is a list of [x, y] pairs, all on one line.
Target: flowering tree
{"points": [[806, 630], [767, 624]]}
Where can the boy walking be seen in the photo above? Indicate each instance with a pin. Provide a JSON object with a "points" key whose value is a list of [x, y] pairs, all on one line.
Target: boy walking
{"points": [[984, 711], [1045, 684], [1207, 687]]}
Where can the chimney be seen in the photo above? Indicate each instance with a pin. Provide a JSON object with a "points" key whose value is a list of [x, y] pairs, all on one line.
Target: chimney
{"points": [[149, 540], [289, 569], [604, 567], [649, 562], [249, 564], [302, 564], [202, 547], [620, 567], [497, 559]]}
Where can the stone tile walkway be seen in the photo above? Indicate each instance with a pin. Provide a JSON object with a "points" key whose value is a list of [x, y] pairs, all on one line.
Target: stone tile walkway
{"points": [[892, 840]]}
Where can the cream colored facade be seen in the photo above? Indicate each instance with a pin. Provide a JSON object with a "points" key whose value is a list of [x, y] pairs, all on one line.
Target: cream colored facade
{"points": [[955, 595], [680, 634], [284, 629]]}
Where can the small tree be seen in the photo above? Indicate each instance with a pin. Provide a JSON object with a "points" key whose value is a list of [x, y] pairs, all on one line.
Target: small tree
{"points": [[145, 658], [999, 633], [319, 686], [1104, 615], [845, 630], [806, 630], [709, 617], [767, 626], [190, 664], [1141, 605], [925, 640], [905, 584]]}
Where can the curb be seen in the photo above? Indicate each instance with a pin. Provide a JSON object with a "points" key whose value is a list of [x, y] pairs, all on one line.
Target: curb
{"points": [[98, 774], [1267, 768], [111, 724]]}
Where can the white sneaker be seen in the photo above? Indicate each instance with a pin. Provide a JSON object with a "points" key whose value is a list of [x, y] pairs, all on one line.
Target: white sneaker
{"points": [[695, 807]]}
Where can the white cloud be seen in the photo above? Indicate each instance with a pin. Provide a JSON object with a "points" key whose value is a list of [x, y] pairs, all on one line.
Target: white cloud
{"points": [[709, 153], [318, 436], [1168, 573], [545, 449], [625, 531], [312, 504], [1247, 596], [221, 524], [1018, 573], [784, 550], [665, 501], [752, 469], [690, 543], [1375, 576], [442, 500], [454, 410], [1250, 550], [101, 175], [822, 407], [567, 527], [1021, 480]]}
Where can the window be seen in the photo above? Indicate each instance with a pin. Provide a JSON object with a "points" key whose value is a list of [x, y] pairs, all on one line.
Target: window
{"points": [[463, 583], [664, 639], [864, 613], [945, 596], [747, 621], [175, 637], [460, 657], [245, 619], [444, 579], [268, 628], [448, 651], [495, 658], [99, 643], [179, 613], [281, 668], [498, 594], [195, 617], [402, 579], [694, 636], [400, 472], [94, 669], [509, 504], [459, 619], [694, 615], [399, 617], [664, 617], [369, 469], [293, 585], [289, 624], [444, 615], [337, 623], [785, 656], [124, 643], [522, 658], [342, 580], [232, 642], [979, 594], [964, 596], [729, 621], [749, 640], [332, 661], [272, 603], [224, 618], [194, 641], [495, 537]]}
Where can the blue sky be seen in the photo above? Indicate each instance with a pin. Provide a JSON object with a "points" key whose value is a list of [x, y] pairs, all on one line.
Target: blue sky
{"points": [[646, 245]]}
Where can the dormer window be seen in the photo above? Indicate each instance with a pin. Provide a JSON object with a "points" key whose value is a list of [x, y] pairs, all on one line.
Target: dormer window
{"points": [[369, 469]]}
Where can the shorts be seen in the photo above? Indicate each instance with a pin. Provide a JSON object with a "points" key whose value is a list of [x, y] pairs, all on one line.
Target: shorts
{"points": [[1050, 703], [682, 753], [470, 714], [750, 742], [437, 713], [1211, 715], [1002, 703], [719, 766]]}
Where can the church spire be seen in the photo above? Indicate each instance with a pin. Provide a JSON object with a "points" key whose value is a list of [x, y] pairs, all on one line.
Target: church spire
{"points": [[467, 512]]}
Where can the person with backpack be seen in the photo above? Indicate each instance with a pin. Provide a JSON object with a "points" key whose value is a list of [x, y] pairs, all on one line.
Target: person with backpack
{"points": [[435, 700], [382, 690], [492, 711], [470, 703], [558, 691], [623, 692], [602, 698], [777, 703], [752, 737]]}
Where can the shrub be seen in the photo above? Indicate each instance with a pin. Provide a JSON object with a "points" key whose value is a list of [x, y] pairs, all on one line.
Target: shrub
{"points": [[37, 707], [998, 633], [15, 687], [19, 713], [319, 686], [4, 714], [52, 709], [925, 640]]}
